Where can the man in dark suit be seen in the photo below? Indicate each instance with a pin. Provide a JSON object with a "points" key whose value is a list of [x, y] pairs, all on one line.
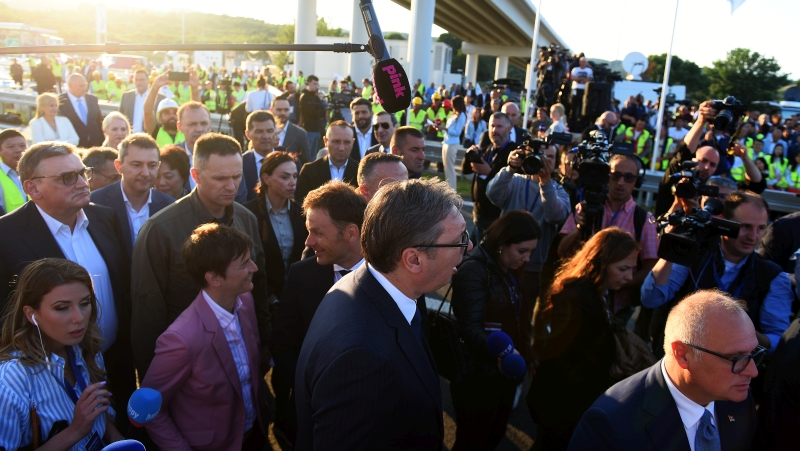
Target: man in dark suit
{"points": [[383, 127], [60, 222], [606, 123], [516, 132], [291, 137], [133, 197], [83, 111], [337, 165], [361, 109], [493, 159], [699, 394], [132, 102], [365, 376], [260, 130]]}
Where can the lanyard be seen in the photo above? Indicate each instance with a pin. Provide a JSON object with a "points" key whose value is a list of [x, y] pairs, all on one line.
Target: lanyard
{"points": [[527, 194], [78, 377], [614, 218], [738, 291], [513, 294]]}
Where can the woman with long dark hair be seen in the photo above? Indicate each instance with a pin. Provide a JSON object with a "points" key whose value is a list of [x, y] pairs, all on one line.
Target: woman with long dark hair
{"points": [[487, 297], [52, 376], [574, 335]]}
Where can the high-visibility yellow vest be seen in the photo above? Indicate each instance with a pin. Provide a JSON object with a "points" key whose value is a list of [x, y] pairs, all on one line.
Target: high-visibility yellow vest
{"points": [[641, 143], [202, 75], [777, 168], [795, 177], [184, 94], [665, 162], [163, 138], [238, 97], [14, 199], [377, 108], [437, 115], [301, 80], [738, 173], [113, 93], [367, 92], [417, 119], [399, 116], [211, 100], [56, 67], [99, 89], [421, 90]]}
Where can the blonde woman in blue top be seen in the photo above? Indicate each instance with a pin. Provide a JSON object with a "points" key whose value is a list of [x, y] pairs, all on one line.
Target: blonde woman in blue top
{"points": [[51, 367]]}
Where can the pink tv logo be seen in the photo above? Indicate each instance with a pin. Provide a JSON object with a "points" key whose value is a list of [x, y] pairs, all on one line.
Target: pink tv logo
{"points": [[396, 83]]}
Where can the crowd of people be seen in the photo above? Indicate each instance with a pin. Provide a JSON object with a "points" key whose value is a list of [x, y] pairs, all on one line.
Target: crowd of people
{"points": [[143, 249]]}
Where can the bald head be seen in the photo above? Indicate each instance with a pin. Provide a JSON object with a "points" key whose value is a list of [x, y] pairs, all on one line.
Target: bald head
{"points": [[77, 85], [607, 120], [707, 159], [512, 111], [690, 321]]}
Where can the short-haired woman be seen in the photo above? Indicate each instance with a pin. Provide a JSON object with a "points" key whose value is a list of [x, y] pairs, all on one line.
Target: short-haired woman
{"points": [[173, 172], [48, 125], [115, 128], [52, 376]]}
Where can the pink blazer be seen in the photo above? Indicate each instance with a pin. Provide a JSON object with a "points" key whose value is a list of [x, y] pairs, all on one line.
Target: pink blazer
{"points": [[194, 371]]}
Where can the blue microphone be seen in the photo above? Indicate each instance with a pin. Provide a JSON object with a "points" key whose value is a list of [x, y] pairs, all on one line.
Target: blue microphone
{"points": [[144, 405], [125, 445], [513, 366], [500, 344]]}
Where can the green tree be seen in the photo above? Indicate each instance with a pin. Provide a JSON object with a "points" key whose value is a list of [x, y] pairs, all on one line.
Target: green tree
{"points": [[395, 35], [682, 72], [747, 75]]}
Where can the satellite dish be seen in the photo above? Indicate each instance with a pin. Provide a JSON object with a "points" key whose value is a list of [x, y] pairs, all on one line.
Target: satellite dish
{"points": [[634, 64], [792, 94]]}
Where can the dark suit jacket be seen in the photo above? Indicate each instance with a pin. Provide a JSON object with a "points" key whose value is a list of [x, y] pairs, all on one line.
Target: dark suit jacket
{"points": [[111, 196], [276, 274], [375, 148], [640, 414], [364, 381], [90, 133], [315, 174], [128, 102], [250, 174], [296, 141], [485, 212], [355, 154]]}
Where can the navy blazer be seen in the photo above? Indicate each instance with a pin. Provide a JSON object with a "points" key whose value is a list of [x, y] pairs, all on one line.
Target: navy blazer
{"points": [[90, 133], [315, 174], [364, 380], [250, 173], [639, 414], [111, 196]]}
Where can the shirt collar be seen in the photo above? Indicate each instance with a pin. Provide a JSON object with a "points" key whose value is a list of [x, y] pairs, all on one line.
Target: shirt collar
{"points": [[729, 265], [330, 164], [342, 268], [224, 317], [690, 411], [6, 168], [364, 135], [627, 206], [72, 98], [203, 214], [136, 93], [272, 210], [55, 225], [407, 306], [125, 197]]}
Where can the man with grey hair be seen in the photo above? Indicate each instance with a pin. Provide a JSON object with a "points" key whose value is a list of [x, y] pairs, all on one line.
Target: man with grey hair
{"points": [[59, 222], [365, 377], [377, 169], [83, 111], [161, 287], [606, 123], [696, 398]]}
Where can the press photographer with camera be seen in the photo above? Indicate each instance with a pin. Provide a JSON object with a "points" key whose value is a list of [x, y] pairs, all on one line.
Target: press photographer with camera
{"points": [[729, 263], [549, 72], [527, 183]]}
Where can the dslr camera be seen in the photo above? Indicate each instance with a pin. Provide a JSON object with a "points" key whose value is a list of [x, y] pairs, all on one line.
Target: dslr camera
{"points": [[692, 231], [689, 185], [729, 113], [533, 155]]}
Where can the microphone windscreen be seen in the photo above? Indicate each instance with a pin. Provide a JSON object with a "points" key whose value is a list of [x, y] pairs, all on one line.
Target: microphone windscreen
{"points": [[391, 85], [144, 405], [500, 343], [513, 366], [125, 445]]}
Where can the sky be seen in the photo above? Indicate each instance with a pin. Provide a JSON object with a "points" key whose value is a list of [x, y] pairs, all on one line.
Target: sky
{"points": [[608, 29]]}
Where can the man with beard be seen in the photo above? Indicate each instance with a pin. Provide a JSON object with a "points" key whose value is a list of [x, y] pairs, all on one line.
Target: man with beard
{"points": [[409, 144], [361, 109], [291, 137], [384, 125], [162, 125], [133, 197]]}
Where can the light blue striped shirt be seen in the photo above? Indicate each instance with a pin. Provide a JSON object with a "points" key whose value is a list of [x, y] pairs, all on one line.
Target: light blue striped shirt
{"points": [[23, 387]]}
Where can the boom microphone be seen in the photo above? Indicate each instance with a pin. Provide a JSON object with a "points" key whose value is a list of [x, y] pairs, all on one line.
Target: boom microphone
{"points": [[388, 76]]}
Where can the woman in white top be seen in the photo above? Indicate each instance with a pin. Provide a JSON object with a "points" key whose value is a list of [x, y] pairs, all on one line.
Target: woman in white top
{"points": [[48, 126], [115, 128], [455, 125]]}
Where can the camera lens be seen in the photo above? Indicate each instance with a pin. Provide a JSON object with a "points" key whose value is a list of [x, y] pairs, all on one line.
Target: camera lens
{"points": [[723, 120], [532, 164]]}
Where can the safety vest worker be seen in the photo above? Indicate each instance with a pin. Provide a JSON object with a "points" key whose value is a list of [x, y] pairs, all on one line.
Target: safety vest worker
{"points": [[778, 168], [738, 170], [665, 162], [367, 92], [11, 194], [418, 115], [238, 94], [642, 144], [210, 100], [98, 87], [184, 93]]}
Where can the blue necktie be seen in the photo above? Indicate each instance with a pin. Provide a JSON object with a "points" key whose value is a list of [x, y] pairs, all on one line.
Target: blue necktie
{"points": [[707, 438], [416, 325], [82, 109]]}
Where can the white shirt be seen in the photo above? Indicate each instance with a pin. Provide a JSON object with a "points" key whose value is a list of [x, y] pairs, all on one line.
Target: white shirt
{"points": [[138, 111], [677, 134], [336, 268], [407, 306], [282, 134], [229, 322], [79, 247], [578, 72], [336, 173], [364, 140], [75, 101], [12, 174], [690, 411], [258, 100], [136, 218], [513, 135]]}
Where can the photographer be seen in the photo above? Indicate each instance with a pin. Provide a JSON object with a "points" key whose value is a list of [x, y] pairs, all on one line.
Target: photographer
{"points": [[733, 266], [547, 67], [538, 193]]}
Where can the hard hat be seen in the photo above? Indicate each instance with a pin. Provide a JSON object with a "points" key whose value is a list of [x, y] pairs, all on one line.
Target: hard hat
{"points": [[417, 101], [447, 103], [96, 73], [436, 96], [111, 76], [164, 104]]}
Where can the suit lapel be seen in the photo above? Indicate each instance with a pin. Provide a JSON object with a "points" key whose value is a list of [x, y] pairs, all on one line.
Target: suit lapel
{"points": [[249, 335], [351, 172], [666, 427], [115, 200], [40, 241], [251, 175], [735, 423], [220, 343]]}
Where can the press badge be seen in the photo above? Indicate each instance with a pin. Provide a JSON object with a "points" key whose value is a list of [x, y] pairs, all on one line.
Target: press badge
{"points": [[94, 443]]}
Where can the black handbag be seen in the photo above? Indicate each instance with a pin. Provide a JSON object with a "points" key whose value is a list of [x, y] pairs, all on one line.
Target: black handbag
{"points": [[449, 351]]}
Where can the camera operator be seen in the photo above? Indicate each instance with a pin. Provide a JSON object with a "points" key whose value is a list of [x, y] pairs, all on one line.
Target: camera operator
{"points": [[514, 189], [707, 158], [731, 265], [547, 67], [619, 210], [312, 113]]}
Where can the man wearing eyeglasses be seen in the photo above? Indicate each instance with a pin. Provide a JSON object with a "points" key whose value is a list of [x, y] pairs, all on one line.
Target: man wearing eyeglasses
{"points": [[101, 160], [59, 222], [733, 266], [696, 398], [383, 126]]}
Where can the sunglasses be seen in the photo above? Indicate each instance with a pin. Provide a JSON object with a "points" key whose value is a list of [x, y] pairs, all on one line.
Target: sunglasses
{"points": [[383, 125], [70, 178], [628, 177]]}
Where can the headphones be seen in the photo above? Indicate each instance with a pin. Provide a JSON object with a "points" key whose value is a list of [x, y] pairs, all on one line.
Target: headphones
{"points": [[640, 167], [46, 357]]}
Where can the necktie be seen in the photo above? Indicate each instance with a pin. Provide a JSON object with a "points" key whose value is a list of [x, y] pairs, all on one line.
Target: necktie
{"points": [[416, 325], [82, 109], [707, 438], [344, 272]]}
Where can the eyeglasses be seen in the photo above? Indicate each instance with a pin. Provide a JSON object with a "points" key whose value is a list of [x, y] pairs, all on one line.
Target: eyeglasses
{"points": [[464, 243], [628, 177], [383, 125], [70, 178], [739, 363]]}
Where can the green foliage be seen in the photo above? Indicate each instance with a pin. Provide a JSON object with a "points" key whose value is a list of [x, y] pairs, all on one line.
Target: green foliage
{"points": [[682, 72], [747, 75], [395, 35]]}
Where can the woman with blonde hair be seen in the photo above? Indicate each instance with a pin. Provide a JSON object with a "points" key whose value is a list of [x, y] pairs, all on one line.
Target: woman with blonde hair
{"points": [[574, 335], [48, 125], [52, 376], [115, 128]]}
